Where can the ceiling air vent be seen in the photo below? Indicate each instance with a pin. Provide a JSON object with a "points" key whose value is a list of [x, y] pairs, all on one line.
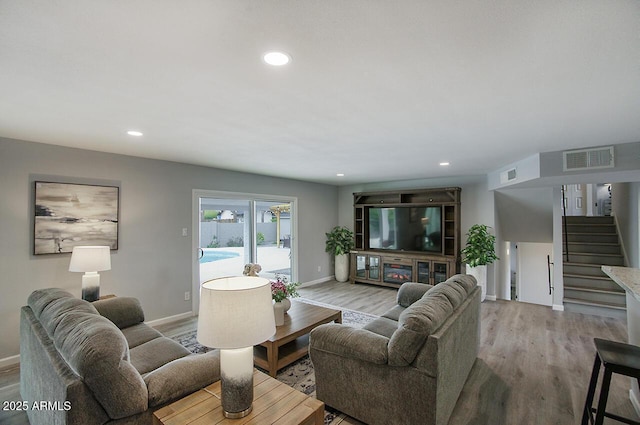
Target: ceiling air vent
{"points": [[586, 159], [508, 176]]}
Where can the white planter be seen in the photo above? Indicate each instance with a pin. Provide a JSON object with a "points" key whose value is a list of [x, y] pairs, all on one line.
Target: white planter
{"points": [[342, 267], [278, 312], [480, 273]]}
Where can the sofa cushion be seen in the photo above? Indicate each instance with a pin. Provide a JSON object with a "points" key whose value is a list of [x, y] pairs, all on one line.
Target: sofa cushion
{"points": [[155, 353], [411, 292], [40, 298], [123, 311], [182, 376], [97, 351], [55, 310], [139, 334], [394, 313], [416, 323], [382, 326], [454, 291], [467, 281]]}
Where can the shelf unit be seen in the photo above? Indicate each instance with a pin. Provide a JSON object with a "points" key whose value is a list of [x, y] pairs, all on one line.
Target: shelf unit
{"points": [[394, 267]]}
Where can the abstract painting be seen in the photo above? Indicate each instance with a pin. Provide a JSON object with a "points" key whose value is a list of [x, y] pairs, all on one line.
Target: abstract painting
{"points": [[67, 215]]}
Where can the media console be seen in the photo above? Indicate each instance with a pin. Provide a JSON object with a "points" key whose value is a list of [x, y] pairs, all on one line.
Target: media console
{"points": [[406, 236]]}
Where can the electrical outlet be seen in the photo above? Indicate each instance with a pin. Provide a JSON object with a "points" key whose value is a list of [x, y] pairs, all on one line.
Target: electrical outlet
{"points": [[185, 231], [319, 268], [187, 296]]}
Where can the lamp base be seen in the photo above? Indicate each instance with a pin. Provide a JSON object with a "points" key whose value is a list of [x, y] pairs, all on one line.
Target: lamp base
{"points": [[237, 415], [91, 286], [236, 370]]}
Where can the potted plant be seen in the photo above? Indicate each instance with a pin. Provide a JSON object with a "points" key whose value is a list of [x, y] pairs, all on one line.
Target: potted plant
{"points": [[478, 253], [339, 243]]}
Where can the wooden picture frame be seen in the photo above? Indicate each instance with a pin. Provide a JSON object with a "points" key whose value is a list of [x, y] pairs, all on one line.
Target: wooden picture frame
{"points": [[70, 214]]}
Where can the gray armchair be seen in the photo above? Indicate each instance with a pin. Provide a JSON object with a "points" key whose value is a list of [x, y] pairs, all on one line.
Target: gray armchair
{"points": [[409, 365]]}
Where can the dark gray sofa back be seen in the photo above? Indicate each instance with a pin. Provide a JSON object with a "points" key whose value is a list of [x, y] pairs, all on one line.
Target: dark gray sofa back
{"points": [[94, 348], [425, 316]]}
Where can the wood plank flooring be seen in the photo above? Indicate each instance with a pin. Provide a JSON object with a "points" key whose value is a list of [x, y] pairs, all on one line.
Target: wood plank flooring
{"points": [[533, 367]]}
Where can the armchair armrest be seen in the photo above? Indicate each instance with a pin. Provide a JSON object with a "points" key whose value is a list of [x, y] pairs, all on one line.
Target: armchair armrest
{"points": [[123, 311], [411, 292], [182, 376], [351, 342]]}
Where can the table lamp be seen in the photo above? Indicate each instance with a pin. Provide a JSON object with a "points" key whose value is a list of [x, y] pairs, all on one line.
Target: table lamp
{"points": [[236, 313], [90, 260]]}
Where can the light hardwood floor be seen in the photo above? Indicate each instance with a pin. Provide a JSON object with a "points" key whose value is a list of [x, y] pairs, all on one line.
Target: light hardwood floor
{"points": [[533, 367]]}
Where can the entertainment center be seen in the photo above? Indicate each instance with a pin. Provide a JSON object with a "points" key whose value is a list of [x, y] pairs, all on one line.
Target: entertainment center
{"points": [[406, 236]]}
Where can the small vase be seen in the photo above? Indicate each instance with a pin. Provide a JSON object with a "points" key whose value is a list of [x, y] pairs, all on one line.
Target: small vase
{"points": [[278, 311], [287, 304]]}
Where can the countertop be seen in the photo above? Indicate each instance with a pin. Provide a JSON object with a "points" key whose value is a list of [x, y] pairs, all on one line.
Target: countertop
{"points": [[628, 278]]}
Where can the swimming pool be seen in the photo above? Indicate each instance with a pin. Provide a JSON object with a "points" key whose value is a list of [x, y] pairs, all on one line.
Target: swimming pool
{"points": [[210, 256]]}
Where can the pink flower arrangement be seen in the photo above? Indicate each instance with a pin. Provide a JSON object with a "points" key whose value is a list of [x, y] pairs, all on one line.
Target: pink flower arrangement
{"points": [[281, 289]]}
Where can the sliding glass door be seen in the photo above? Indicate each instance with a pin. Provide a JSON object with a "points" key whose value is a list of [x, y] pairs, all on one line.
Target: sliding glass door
{"points": [[231, 230], [273, 238], [225, 237]]}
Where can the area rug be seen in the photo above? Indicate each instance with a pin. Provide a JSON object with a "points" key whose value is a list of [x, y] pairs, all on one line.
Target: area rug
{"points": [[299, 375]]}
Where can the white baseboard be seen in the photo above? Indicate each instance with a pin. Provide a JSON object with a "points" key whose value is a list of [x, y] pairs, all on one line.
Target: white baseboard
{"points": [[9, 361], [490, 297], [170, 319], [557, 307], [321, 280], [634, 401]]}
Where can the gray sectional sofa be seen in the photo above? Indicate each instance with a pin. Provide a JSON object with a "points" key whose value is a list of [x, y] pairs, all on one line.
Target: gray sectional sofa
{"points": [[99, 363], [407, 366]]}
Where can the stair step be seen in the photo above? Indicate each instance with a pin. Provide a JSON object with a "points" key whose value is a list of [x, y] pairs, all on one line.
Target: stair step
{"points": [[586, 276], [593, 237], [593, 258], [596, 290], [590, 228], [614, 306], [592, 248], [583, 269], [589, 281], [588, 219]]}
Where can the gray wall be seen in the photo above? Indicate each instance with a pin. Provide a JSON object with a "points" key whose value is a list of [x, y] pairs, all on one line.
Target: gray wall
{"points": [[525, 215], [153, 261]]}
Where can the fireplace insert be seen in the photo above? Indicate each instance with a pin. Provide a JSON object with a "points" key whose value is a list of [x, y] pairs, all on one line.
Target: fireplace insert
{"points": [[397, 273]]}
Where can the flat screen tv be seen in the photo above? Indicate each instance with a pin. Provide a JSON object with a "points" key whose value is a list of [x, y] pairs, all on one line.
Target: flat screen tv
{"points": [[406, 229]]}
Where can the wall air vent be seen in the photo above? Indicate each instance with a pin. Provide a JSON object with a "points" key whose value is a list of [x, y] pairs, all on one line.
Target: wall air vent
{"points": [[508, 176], [587, 159]]}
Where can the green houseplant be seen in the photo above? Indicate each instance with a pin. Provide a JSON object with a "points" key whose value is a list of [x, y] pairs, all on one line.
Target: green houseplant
{"points": [[339, 243], [478, 253]]}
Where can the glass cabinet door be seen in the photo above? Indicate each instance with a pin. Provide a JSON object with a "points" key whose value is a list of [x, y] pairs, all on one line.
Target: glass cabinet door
{"points": [[423, 272], [361, 266], [439, 272], [374, 268]]}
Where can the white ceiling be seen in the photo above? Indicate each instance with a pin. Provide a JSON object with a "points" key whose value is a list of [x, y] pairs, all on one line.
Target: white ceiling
{"points": [[378, 90]]}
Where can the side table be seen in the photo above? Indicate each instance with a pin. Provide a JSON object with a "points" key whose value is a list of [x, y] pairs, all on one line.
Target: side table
{"points": [[273, 402]]}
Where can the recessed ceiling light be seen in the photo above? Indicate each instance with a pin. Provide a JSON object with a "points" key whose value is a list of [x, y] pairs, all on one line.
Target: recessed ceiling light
{"points": [[444, 164], [134, 133], [340, 174], [276, 58]]}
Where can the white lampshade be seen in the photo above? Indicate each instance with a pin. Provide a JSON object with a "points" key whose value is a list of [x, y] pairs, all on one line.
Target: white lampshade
{"points": [[90, 259], [235, 312]]}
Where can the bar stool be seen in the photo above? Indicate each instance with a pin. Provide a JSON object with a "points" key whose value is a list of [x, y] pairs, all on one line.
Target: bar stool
{"points": [[618, 358]]}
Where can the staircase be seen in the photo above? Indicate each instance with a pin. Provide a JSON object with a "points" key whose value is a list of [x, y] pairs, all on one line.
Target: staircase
{"points": [[592, 242]]}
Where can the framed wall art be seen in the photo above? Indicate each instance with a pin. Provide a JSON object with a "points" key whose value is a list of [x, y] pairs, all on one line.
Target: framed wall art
{"points": [[68, 215]]}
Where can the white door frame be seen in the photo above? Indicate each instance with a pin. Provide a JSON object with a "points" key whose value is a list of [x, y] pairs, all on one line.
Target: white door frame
{"points": [[195, 232]]}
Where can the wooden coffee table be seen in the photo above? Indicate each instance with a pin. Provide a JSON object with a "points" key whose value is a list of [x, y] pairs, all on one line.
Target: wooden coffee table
{"points": [[273, 402], [291, 340]]}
